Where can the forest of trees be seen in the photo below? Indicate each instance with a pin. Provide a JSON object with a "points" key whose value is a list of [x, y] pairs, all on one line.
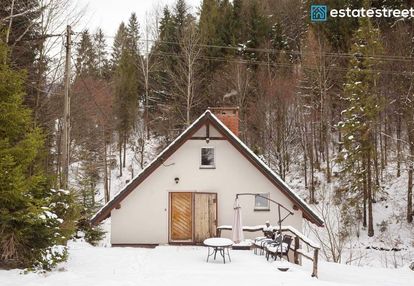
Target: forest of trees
{"points": [[333, 98]]}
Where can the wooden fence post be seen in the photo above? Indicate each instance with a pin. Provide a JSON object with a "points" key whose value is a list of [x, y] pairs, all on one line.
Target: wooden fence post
{"points": [[295, 253], [315, 263]]}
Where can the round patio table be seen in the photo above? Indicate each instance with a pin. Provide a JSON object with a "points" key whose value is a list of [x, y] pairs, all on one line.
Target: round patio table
{"points": [[220, 245]]}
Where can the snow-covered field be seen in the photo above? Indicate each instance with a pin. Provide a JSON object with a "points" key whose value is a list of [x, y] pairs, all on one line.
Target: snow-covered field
{"points": [[186, 265]]}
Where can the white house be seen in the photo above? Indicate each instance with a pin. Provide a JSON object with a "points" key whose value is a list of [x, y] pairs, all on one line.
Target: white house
{"points": [[190, 188]]}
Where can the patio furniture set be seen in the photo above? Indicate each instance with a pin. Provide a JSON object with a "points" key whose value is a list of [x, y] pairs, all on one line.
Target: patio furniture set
{"points": [[276, 245], [272, 246]]}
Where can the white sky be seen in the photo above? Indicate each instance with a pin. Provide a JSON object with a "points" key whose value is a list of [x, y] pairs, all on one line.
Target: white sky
{"points": [[108, 14]]}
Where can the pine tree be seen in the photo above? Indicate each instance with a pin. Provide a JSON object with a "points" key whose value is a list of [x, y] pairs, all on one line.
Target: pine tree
{"points": [[86, 61], [102, 64], [126, 78], [162, 51], [236, 20], [359, 118], [209, 22], [180, 17], [31, 221], [118, 46], [132, 37], [257, 29]]}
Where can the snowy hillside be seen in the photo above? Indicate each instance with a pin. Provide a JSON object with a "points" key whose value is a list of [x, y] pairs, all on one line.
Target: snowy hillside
{"points": [[392, 246]]}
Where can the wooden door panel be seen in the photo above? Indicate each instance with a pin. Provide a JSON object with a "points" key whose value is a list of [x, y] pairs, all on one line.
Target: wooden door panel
{"points": [[205, 220], [181, 216], [213, 215]]}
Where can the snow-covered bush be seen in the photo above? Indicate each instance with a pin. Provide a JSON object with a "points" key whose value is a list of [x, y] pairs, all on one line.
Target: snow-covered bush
{"points": [[50, 258], [34, 233], [91, 234]]}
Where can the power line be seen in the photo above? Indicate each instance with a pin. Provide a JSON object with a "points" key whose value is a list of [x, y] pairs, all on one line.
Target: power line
{"points": [[276, 51], [264, 63]]}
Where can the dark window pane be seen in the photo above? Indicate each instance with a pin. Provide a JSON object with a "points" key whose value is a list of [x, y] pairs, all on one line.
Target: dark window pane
{"points": [[207, 157], [262, 203]]}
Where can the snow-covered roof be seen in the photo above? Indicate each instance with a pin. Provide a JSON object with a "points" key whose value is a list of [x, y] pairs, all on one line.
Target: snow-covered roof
{"points": [[207, 116]]}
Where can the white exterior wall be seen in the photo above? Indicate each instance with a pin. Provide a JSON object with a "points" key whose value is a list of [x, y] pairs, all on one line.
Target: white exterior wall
{"points": [[143, 216]]}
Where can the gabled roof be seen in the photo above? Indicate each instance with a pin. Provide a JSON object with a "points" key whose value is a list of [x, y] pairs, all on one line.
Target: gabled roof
{"points": [[210, 118]]}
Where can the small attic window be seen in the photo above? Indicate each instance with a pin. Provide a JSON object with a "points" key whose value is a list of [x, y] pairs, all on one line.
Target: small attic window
{"points": [[207, 158], [262, 204]]}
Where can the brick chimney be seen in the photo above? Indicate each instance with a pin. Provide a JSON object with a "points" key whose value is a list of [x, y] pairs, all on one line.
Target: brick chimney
{"points": [[229, 116]]}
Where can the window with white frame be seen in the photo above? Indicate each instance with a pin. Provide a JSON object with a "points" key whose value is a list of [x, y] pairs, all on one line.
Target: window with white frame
{"points": [[207, 158], [261, 203]]}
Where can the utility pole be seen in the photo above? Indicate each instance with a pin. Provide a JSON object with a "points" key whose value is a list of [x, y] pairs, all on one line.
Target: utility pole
{"points": [[66, 114]]}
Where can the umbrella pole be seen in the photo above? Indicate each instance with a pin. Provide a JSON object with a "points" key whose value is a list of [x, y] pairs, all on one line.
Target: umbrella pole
{"points": [[280, 232]]}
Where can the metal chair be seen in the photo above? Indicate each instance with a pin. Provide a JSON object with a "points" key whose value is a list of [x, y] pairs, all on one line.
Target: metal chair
{"points": [[279, 249], [262, 242]]}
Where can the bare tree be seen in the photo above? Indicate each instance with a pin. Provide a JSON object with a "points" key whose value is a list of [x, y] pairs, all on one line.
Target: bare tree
{"points": [[148, 61], [185, 76], [334, 236]]}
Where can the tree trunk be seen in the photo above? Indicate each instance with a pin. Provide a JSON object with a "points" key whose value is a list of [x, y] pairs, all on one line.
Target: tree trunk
{"points": [[364, 185], [305, 151], [328, 164], [410, 191], [146, 113], [312, 169], [8, 30], [410, 127], [106, 186], [124, 161], [369, 195], [376, 168], [305, 166], [120, 156], [315, 145], [387, 131], [381, 152], [189, 92], [398, 145]]}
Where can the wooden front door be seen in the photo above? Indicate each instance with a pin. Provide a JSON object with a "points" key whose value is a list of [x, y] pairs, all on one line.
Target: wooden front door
{"points": [[181, 217], [205, 216]]}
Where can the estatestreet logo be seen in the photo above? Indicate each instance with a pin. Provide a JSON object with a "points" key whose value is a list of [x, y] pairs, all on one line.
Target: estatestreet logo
{"points": [[320, 13]]}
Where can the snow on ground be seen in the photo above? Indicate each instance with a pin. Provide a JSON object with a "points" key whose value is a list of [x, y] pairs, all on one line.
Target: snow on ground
{"points": [[186, 265]]}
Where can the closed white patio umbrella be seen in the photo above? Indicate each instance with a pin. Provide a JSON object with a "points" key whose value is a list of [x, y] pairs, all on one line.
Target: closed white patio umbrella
{"points": [[237, 223]]}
